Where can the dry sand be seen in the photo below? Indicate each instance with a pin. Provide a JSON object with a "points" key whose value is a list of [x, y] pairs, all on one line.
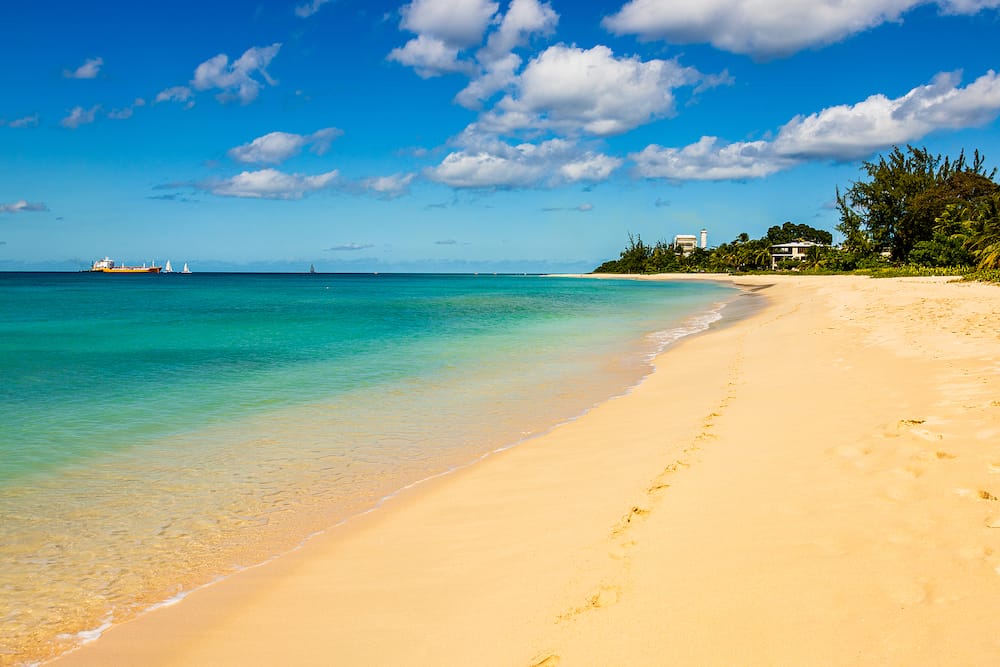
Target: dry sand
{"points": [[813, 485]]}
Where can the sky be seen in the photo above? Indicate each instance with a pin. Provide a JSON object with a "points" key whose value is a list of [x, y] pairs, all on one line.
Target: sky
{"points": [[461, 135]]}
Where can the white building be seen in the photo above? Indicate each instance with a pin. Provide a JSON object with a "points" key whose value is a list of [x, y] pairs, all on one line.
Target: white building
{"points": [[688, 242], [796, 250]]}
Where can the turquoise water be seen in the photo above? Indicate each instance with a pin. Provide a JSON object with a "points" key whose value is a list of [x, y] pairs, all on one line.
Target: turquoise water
{"points": [[162, 430]]}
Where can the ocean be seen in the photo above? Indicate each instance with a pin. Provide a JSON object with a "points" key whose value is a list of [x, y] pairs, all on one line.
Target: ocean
{"points": [[162, 431]]}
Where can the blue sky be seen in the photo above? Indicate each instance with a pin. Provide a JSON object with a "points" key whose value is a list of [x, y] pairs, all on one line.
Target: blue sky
{"points": [[461, 135]]}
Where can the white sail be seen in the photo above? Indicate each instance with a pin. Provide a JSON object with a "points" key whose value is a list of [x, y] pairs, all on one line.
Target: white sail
{"points": [[168, 268], [185, 269]]}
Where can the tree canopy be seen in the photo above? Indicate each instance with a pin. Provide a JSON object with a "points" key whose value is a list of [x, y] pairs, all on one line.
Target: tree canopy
{"points": [[790, 231], [897, 207]]}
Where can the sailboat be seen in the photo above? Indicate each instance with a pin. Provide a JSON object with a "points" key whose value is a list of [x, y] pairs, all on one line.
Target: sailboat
{"points": [[185, 269], [312, 268], [168, 268]]}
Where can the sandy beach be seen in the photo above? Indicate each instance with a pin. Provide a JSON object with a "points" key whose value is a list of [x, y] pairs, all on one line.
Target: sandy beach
{"points": [[816, 483]]}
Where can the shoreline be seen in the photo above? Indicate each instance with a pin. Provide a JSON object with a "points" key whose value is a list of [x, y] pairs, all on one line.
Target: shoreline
{"points": [[563, 546], [710, 317]]}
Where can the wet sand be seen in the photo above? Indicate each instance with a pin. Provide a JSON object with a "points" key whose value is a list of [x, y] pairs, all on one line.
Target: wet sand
{"points": [[816, 483]]}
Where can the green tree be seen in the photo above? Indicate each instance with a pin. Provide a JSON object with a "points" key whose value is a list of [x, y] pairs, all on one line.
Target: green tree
{"points": [[905, 194], [790, 231], [983, 232]]}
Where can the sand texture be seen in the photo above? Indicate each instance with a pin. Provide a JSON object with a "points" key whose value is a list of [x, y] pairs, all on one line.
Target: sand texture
{"points": [[816, 484]]}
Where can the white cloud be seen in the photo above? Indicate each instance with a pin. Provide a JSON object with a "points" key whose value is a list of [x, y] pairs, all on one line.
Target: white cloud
{"points": [[766, 28], [270, 184], [80, 116], [523, 19], [388, 187], [126, 112], [590, 167], [446, 28], [430, 56], [26, 121], [23, 206], [487, 163], [236, 80], [571, 89], [842, 132], [849, 132], [499, 75], [587, 206], [710, 160], [174, 94], [308, 9], [276, 147], [88, 70], [457, 23], [485, 170]]}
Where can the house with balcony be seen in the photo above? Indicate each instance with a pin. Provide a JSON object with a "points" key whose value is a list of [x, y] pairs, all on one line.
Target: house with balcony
{"points": [[795, 250]]}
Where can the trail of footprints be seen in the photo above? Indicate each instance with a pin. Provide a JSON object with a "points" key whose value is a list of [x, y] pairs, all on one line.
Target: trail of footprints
{"points": [[609, 592]]}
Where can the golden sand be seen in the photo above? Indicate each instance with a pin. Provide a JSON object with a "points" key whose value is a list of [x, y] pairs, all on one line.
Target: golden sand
{"points": [[815, 484]]}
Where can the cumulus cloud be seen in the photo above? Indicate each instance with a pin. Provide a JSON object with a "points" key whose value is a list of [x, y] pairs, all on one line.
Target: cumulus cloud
{"points": [[766, 28], [457, 23], [490, 164], [523, 19], [269, 184], [446, 28], [590, 167], [843, 132], [308, 9], [388, 187], [25, 121], [79, 116], [499, 75], [276, 147], [566, 88], [429, 57], [709, 159], [174, 94], [446, 242], [23, 206], [349, 247], [237, 80], [88, 70]]}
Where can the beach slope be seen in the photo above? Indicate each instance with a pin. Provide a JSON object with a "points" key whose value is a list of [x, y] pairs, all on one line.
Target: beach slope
{"points": [[817, 483]]}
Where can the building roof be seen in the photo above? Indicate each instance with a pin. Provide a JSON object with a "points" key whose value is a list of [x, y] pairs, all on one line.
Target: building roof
{"points": [[796, 244]]}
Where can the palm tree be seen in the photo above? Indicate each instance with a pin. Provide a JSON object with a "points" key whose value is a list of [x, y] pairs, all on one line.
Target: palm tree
{"points": [[983, 237]]}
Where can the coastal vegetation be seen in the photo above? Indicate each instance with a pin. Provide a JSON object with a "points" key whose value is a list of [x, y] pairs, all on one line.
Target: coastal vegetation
{"points": [[911, 213]]}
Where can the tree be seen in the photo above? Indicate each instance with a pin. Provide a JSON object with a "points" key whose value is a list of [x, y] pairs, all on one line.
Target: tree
{"points": [[790, 231], [983, 235], [906, 193]]}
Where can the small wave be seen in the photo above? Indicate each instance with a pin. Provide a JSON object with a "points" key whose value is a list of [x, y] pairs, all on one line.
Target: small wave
{"points": [[87, 636], [690, 326]]}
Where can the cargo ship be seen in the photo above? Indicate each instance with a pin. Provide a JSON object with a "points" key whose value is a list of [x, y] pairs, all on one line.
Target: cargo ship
{"points": [[107, 265]]}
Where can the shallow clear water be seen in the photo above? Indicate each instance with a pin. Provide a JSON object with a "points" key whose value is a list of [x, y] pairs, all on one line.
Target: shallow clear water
{"points": [[161, 431]]}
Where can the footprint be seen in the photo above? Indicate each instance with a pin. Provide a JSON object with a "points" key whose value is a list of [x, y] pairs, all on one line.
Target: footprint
{"points": [[626, 521], [986, 495], [607, 595]]}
